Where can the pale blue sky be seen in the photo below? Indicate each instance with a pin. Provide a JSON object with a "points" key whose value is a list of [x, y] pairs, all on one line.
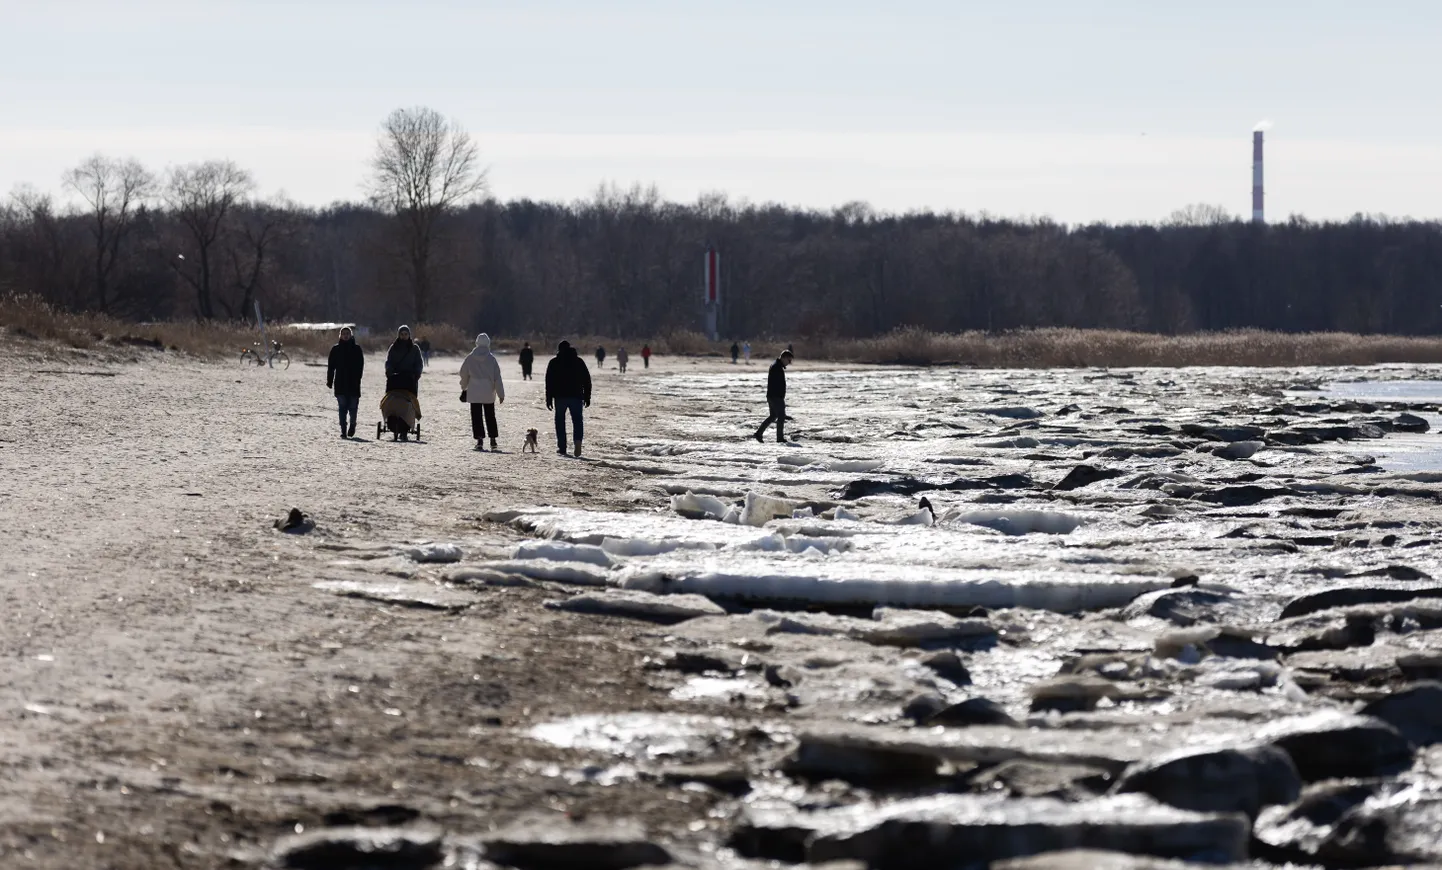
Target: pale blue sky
{"points": [[1027, 107]]}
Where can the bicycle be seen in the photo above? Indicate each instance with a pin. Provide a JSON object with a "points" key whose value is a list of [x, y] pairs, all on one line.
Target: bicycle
{"points": [[276, 357]]}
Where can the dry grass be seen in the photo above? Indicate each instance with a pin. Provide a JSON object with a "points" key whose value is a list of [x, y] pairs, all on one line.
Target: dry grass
{"points": [[27, 316], [30, 317]]}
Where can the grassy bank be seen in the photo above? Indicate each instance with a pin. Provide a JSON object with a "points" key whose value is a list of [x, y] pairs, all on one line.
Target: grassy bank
{"points": [[27, 317]]}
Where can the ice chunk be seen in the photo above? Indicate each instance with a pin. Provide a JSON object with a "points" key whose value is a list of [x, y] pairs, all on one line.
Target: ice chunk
{"points": [[805, 513], [1017, 522], [856, 466], [640, 605], [559, 551], [561, 572], [643, 547], [432, 553], [761, 509], [1013, 412], [733, 516], [699, 507], [920, 518], [842, 513]]}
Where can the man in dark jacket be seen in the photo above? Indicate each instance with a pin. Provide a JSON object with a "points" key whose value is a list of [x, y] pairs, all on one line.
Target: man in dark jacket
{"points": [[404, 363], [343, 372], [527, 358], [568, 389], [776, 397]]}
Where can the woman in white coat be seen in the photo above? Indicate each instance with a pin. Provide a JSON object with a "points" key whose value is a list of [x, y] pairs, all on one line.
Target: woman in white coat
{"points": [[481, 386]]}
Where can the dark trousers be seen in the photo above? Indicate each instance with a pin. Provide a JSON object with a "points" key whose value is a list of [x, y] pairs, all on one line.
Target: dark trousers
{"points": [[575, 407], [525, 371], [347, 405], [483, 416], [778, 416]]}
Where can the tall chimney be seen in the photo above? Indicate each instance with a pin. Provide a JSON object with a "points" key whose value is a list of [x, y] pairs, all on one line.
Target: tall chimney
{"points": [[1257, 214]]}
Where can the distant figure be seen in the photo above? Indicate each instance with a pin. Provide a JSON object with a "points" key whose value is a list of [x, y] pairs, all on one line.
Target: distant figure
{"points": [[425, 345], [404, 364], [600, 357], [645, 356], [343, 371], [481, 386], [621, 358], [790, 349], [568, 390], [746, 351], [735, 352], [776, 397], [527, 358]]}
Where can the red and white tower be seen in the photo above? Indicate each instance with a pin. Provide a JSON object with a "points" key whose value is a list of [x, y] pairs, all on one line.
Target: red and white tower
{"points": [[1258, 216]]}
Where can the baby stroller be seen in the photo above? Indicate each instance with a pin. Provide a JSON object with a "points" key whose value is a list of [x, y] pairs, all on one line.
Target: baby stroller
{"points": [[400, 410]]}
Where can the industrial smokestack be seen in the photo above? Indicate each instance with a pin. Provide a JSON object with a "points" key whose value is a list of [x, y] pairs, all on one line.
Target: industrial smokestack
{"points": [[1258, 216]]}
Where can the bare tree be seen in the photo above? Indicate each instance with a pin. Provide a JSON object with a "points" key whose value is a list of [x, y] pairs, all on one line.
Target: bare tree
{"points": [[257, 229], [201, 195], [1200, 214], [425, 166], [113, 189]]}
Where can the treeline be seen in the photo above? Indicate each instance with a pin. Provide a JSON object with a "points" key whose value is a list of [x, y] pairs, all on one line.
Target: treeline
{"points": [[198, 243]]}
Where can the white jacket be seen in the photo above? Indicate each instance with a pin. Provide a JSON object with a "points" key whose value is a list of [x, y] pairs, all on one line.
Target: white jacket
{"points": [[481, 374]]}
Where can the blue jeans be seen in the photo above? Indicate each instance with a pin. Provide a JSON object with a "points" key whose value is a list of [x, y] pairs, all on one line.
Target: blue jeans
{"points": [[347, 405], [574, 406]]}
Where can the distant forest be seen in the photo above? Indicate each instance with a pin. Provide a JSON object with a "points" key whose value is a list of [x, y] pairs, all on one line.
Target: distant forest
{"points": [[627, 263]]}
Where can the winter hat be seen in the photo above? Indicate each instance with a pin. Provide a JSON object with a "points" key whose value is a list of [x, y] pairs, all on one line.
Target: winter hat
{"points": [[402, 328], [483, 342], [562, 348]]}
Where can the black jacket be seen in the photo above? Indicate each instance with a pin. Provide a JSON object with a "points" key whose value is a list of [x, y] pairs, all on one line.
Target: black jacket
{"points": [[776, 384], [344, 368], [404, 358], [526, 357], [568, 378]]}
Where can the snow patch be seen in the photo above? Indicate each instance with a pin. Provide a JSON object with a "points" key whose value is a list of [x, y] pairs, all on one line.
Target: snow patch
{"points": [[1017, 522], [560, 551]]}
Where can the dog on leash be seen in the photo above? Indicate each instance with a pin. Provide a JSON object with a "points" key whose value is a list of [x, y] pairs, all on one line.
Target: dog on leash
{"points": [[532, 436]]}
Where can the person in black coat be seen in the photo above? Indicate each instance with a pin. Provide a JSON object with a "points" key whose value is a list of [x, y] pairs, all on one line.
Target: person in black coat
{"points": [[776, 397], [343, 371], [527, 358], [568, 390]]}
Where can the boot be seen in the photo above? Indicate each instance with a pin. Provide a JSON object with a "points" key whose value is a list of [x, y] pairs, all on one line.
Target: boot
{"points": [[578, 447], [480, 445], [493, 444]]}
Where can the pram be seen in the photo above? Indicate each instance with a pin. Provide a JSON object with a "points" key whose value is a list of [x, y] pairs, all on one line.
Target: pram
{"points": [[400, 409]]}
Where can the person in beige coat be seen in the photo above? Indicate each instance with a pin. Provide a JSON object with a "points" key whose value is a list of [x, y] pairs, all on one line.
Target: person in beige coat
{"points": [[481, 386]]}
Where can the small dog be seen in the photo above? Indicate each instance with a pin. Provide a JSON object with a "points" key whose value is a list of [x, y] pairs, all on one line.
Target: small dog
{"points": [[532, 436]]}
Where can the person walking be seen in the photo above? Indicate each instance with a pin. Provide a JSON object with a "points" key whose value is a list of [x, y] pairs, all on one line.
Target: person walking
{"points": [[600, 358], [527, 358], [481, 386], [425, 346], [568, 390], [735, 352], [621, 359], [776, 397], [645, 356], [343, 371], [746, 351], [404, 364]]}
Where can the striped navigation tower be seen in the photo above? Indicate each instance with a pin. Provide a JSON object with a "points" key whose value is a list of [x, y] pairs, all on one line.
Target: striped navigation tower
{"points": [[1258, 215], [712, 284]]}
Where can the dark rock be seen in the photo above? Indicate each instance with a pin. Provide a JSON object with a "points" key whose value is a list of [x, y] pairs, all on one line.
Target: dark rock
{"points": [[1086, 475], [1298, 830], [380, 815], [933, 831], [1348, 596], [1238, 450], [1415, 711], [1236, 780], [922, 707], [296, 523], [1028, 779], [1156, 429], [972, 711], [1189, 606], [548, 844], [1421, 666], [1242, 496], [871, 766], [1323, 631], [781, 676], [1333, 745], [1409, 423], [947, 664], [360, 848]]}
